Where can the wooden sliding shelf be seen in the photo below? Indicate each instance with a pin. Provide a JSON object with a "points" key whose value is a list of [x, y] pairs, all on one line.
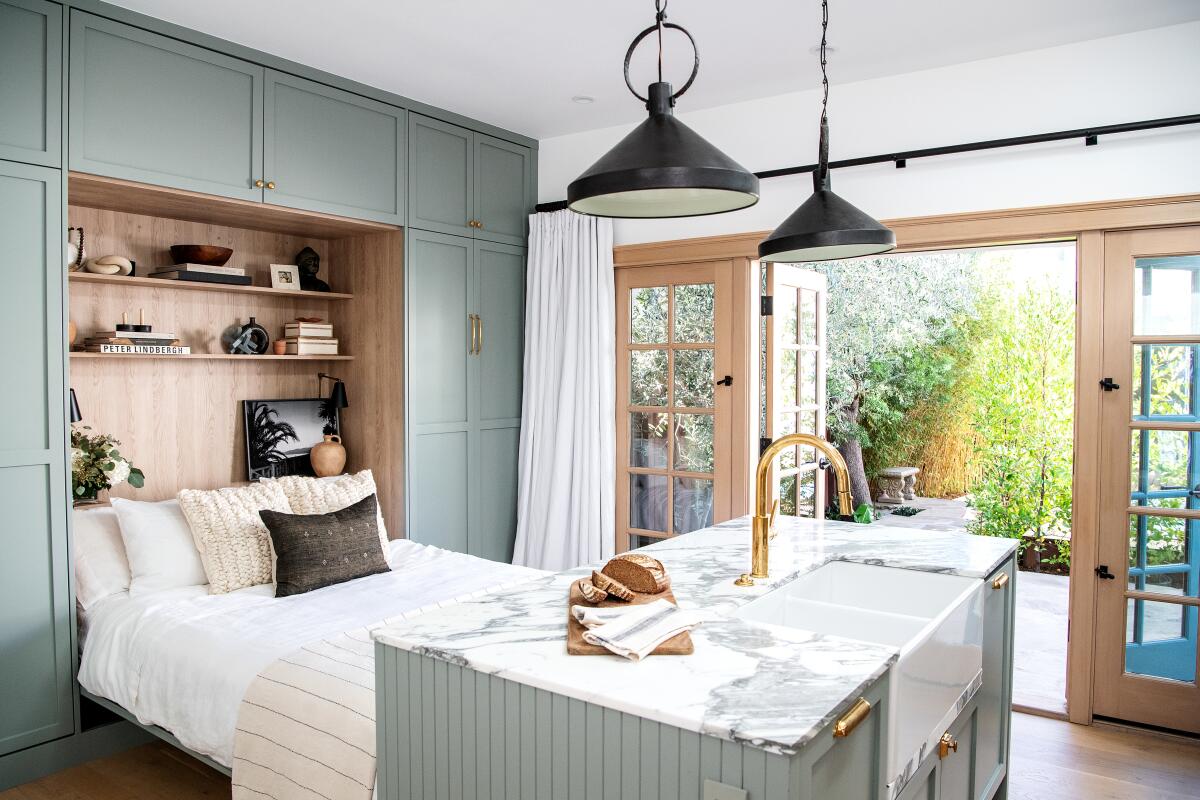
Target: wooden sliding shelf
{"points": [[161, 283]]}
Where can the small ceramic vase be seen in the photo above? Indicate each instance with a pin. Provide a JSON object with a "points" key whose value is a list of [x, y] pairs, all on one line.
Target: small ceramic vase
{"points": [[328, 457]]}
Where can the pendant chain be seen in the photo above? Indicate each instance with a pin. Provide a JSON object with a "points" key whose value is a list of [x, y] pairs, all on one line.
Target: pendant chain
{"points": [[660, 15]]}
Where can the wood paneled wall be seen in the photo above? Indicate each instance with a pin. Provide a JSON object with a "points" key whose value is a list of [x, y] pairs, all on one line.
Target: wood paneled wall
{"points": [[180, 420]]}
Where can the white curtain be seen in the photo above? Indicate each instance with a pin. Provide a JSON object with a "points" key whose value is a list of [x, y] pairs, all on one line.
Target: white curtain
{"points": [[566, 471]]}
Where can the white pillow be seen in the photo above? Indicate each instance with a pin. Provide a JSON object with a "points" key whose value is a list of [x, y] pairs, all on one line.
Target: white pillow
{"points": [[158, 542], [101, 569], [234, 544], [324, 495]]}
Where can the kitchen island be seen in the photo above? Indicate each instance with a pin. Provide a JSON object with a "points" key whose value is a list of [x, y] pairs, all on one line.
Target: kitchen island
{"points": [[480, 698]]}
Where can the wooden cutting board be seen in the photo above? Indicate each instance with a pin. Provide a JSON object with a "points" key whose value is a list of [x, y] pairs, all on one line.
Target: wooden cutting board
{"points": [[678, 645]]}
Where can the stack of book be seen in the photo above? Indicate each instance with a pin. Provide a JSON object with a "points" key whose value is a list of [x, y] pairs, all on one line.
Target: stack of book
{"points": [[136, 343], [203, 273], [309, 339]]}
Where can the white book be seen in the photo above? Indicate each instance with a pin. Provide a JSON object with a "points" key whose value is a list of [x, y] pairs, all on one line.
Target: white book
{"points": [[307, 329], [146, 349], [308, 347], [203, 268]]}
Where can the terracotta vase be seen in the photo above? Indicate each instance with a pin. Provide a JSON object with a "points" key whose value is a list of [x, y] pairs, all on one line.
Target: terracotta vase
{"points": [[328, 457]]}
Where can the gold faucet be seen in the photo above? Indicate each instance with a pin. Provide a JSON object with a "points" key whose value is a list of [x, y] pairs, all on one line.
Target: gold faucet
{"points": [[764, 516]]}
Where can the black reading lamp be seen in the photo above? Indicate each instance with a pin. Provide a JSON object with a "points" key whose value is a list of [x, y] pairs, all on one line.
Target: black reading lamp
{"points": [[77, 415], [337, 395], [329, 457]]}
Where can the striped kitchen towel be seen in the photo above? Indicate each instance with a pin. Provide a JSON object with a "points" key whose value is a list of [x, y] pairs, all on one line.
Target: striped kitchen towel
{"points": [[634, 631]]}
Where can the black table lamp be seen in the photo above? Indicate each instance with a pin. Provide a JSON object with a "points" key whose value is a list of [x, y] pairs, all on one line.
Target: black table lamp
{"points": [[77, 415]]}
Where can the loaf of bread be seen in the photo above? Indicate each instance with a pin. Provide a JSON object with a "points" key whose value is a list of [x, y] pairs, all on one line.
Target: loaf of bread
{"points": [[591, 593], [616, 590], [639, 572]]}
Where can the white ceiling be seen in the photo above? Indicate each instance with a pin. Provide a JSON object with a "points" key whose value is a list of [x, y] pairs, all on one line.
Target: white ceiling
{"points": [[518, 63]]}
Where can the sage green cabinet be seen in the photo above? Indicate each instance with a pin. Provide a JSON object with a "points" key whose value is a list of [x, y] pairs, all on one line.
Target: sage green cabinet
{"points": [[995, 696], [957, 778], [464, 329], [31, 81], [35, 620], [332, 151], [157, 110], [467, 183]]}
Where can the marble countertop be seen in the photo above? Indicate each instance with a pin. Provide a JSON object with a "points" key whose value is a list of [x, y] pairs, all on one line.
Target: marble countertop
{"points": [[765, 686]]}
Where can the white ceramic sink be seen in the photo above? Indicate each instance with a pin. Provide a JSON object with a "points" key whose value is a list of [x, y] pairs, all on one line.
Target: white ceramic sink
{"points": [[936, 622]]}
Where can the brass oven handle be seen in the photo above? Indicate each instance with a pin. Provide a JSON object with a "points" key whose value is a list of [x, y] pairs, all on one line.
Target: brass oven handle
{"points": [[1000, 581], [851, 719]]}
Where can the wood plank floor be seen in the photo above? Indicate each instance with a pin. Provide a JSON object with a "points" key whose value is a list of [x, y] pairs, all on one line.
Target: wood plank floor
{"points": [[1051, 760]]}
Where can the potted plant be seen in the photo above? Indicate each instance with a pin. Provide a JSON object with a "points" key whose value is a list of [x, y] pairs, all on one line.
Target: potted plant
{"points": [[97, 466]]}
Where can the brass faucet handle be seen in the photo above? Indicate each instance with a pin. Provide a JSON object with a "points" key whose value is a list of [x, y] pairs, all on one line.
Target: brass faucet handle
{"points": [[744, 580], [774, 516]]}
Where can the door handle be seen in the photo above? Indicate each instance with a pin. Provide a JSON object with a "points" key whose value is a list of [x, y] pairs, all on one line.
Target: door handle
{"points": [[479, 327], [1109, 385], [473, 349], [726, 381], [1103, 573]]}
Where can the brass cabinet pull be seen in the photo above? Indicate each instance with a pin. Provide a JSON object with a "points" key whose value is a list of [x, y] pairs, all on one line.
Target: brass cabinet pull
{"points": [[1000, 581], [479, 224], [258, 184], [946, 745], [474, 335], [851, 719], [479, 326], [270, 184]]}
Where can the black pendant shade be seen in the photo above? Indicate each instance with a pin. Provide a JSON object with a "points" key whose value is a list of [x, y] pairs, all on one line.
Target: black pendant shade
{"points": [[662, 169], [337, 396], [824, 228]]}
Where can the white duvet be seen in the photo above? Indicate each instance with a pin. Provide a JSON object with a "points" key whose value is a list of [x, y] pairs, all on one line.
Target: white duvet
{"points": [[182, 659]]}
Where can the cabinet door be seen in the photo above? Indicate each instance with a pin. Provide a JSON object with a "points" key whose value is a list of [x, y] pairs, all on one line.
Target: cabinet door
{"points": [[956, 781], [502, 190], [441, 378], [923, 785], [149, 108], [331, 151], [850, 766], [500, 275], [441, 176], [995, 696], [31, 81], [35, 621]]}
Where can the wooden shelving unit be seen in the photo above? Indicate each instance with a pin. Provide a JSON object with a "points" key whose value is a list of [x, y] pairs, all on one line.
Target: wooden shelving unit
{"points": [[160, 283], [211, 357]]}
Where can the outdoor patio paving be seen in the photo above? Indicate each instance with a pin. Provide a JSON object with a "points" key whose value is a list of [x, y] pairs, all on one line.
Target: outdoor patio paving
{"points": [[1039, 664]]}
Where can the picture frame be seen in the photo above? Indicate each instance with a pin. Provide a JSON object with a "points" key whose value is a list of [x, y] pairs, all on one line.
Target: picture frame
{"points": [[285, 277], [280, 434]]}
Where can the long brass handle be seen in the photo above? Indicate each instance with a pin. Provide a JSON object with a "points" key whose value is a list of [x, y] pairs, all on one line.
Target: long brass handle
{"points": [[1000, 581], [479, 324], [852, 718], [474, 335]]}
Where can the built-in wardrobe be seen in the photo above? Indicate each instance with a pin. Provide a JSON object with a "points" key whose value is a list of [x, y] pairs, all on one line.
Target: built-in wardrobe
{"points": [[149, 133]]}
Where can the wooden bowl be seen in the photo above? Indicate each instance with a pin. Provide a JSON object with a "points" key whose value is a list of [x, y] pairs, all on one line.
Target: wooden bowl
{"points": [[207, 254]]}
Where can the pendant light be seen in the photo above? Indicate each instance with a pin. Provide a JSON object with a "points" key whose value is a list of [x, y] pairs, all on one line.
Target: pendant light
{"points": [[662, 168], [825, 227]]}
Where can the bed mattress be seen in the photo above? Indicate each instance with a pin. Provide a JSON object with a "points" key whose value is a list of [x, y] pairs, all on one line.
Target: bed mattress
{"points": [[182, 659]]}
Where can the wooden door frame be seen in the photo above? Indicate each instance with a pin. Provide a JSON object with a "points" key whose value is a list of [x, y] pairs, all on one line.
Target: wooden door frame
{"points": [[1085, 223]]}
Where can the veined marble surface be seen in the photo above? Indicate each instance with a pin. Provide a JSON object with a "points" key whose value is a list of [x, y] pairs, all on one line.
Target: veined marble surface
{"points": [[769, 687]]}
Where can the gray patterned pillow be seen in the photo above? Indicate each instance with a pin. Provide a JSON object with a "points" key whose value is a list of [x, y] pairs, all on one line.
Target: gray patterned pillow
{"points": [[316, 550]]}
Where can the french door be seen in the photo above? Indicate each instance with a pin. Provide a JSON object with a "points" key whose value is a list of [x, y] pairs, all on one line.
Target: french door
{"points": [[795, 387], [674, 404], [1148, 593]]}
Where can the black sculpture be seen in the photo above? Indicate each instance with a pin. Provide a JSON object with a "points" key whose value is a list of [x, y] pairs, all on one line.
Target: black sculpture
{"points": [[310, 263]]}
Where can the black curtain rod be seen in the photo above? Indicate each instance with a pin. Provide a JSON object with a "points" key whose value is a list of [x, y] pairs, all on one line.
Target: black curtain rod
{"points": [[1089, 135]]}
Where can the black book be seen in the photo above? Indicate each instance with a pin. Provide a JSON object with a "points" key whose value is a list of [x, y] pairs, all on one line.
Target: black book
{"points": [[202, 277]]}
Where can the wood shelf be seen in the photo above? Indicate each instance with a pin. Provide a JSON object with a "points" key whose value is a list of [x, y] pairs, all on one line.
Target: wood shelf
{"points": [[212, 357], [161, 283]]}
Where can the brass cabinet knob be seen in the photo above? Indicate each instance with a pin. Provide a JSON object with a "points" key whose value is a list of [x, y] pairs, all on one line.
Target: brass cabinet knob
{"points": [[258, 184], [270, 184], [479, 224], [947, 745], [1000, 581]]}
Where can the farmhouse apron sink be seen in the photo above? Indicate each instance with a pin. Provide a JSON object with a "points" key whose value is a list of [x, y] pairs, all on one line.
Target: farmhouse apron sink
{"points": [[934, 620]]}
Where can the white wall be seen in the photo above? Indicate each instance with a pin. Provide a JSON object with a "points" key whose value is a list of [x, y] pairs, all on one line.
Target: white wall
{"points": [[1144, 75]]}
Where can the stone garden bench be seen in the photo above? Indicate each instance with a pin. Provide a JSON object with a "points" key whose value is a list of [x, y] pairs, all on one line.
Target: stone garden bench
{"points": [[897, 484]]}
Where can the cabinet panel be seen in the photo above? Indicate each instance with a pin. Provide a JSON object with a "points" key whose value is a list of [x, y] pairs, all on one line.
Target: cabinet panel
{"points": [[440, 176], [31, 81], [439, 289], [501, 270], [995, 696], [494, 530], [149, 108], [502, 190], [957, 768], [924, 784], [35, 633], [331, 151], [440, 490]]}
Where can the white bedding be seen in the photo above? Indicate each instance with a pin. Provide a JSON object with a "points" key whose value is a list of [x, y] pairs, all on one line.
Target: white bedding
{"points": [[182, 658]]}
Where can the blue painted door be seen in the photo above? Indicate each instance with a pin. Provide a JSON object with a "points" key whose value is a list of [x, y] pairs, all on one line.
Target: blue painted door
{"points": [[35, 610], [1149, 581], [31, 81], [331, 151], [157, 110]]}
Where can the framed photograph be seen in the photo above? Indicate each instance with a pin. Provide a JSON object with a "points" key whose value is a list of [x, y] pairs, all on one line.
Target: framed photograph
{"points": [[280, 434], [285, 276]]}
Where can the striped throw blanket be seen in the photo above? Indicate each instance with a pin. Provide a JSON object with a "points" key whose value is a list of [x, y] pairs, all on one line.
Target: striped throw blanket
{"points": [[306, 725]]}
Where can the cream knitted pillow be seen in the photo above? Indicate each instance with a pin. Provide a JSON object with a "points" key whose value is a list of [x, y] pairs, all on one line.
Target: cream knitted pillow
{"points": [[234, 545], [326, 495]]}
